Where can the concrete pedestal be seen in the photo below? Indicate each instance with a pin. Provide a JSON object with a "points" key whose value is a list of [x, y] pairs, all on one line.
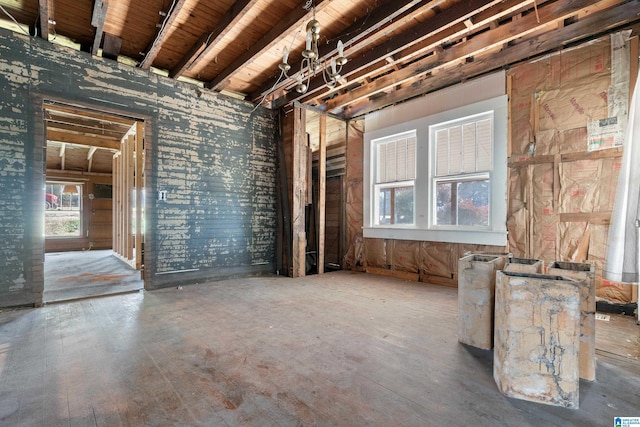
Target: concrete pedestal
{"points": [[537, 338], [525, 265], [476, 290], [586, 274]]}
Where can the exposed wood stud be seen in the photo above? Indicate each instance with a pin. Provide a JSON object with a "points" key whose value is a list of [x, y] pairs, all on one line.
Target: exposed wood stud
{"points": [[163, 32], [299, 191], [43, 6], [139, 189], [322, 189], [97, 21], [63, 149]]}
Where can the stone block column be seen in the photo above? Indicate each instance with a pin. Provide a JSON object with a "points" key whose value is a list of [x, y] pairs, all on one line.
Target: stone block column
{"points": [[476, 290], [586, 274], [537, 338]]}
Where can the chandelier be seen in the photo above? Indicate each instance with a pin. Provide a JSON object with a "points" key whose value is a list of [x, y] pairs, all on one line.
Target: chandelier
{"points": [[312, 64]]}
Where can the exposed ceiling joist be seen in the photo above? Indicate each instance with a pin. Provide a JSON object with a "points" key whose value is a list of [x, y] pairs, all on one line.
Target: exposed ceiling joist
{"points": [[91, 152], [292, 20], [97, 21], [359, 30], [80, 113], [471, 48], [589, 26], [80, 127], [396, 49], [165, 29], [83, 139], [441, 21], [208, 40], [43, 18]]}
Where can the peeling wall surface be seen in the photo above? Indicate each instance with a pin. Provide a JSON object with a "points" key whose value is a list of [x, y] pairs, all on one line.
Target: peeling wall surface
{"points": [[211, 153]]}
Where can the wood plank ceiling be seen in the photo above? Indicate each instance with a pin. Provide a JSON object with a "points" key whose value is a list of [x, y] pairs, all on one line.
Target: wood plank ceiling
{"points": [[397, 49], [79, 140]]}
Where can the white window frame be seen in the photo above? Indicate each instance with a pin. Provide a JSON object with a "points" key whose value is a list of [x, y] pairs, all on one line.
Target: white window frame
{"points": [[376, 187], [434, 179], [457, 178], [376, 203], [424, 202]]}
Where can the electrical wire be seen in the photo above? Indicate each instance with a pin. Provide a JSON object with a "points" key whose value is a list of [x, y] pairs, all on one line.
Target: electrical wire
{"points": [[14, 20], [295, 36], [268, 92], [166, 18], [164, 23]]}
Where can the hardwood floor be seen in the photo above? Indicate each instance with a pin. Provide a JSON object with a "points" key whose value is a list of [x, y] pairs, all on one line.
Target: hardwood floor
{"points": [[618, 335], [338, 349], [83, 274]]}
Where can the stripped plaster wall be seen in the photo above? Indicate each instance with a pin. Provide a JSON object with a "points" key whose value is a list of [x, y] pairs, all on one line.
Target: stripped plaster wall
{"points": [[211, 153]]}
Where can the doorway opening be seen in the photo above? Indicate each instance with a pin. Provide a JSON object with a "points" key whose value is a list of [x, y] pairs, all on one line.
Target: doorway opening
{"points": [[94, 203]]}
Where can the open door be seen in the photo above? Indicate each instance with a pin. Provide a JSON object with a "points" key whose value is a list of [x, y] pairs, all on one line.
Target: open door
{"points": [[128, 198]]}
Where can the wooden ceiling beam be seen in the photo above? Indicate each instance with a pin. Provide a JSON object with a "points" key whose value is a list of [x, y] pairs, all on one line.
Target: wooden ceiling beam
{"points": [[63, 150], [84, 140], [285, 25], [53, 118], [443, 20], [71, 111], [91, 152], [43, 10], [470, 48], [84, 129], [433, 42], [161, 35], [208, 40], [392, 10], [585, 28], [97, 20]]}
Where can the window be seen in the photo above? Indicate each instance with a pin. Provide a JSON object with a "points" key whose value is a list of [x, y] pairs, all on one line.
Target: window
{"points": [[395, 174], [439, 178], [461, 178], [62, 209]]}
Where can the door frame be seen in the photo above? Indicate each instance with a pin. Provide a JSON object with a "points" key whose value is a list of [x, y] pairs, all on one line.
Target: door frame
{"points": [[36, 181]]}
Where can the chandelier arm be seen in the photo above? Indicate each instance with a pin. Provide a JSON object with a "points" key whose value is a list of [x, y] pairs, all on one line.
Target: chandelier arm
{"points": [[312, 64]]}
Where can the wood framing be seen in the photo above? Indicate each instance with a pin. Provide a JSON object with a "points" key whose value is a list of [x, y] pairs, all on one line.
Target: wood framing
{"points": [[210, 39], [299, 192], [322, 190], [167, 25], [98, 20], [128, 184]]}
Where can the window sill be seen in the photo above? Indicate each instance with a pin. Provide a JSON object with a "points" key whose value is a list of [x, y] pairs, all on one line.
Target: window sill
{"points": [[476, 237]]}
